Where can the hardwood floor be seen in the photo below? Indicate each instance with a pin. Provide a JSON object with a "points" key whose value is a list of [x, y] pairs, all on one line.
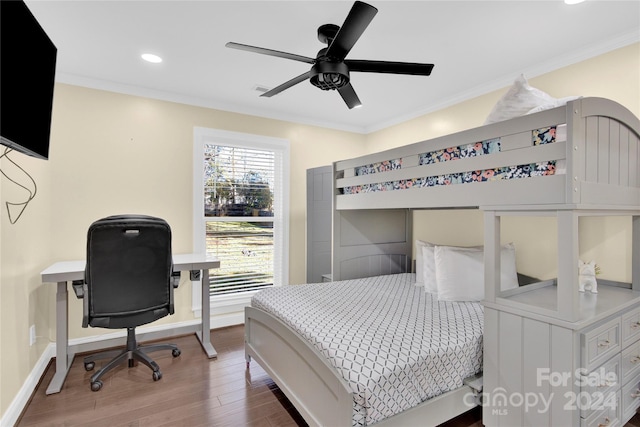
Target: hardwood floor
{"points": [[194, 391]]}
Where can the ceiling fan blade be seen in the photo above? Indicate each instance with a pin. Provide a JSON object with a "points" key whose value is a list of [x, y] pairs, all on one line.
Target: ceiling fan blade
{"points": [[271, 52], [357, 21], [287, 85], [389, 67], [349, 96]]}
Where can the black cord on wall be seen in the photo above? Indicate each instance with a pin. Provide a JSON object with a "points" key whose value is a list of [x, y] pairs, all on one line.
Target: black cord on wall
{"points": [[32, 194]]}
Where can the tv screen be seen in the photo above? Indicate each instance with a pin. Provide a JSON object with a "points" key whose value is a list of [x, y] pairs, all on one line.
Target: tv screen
{"points": [[27, 72]]}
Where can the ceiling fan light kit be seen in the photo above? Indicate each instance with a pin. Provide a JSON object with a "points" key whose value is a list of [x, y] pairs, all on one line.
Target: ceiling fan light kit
{"points": [[329, 75], [330, 70]]}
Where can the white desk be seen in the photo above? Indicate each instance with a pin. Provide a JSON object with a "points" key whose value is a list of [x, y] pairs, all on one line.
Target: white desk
{"points": [[67, 271]]}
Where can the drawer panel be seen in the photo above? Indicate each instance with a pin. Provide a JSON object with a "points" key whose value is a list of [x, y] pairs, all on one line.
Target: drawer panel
{"points": [[601, 343], [608, 416], [630, 362], [631, 327], [599, 385], [630, 398]]}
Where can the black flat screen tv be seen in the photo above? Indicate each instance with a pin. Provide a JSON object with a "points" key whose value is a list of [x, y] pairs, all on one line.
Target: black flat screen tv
{"points": [[27, 73]]}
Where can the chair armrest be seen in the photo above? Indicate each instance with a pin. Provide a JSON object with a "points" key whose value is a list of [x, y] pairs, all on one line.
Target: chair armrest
{"points": [[85, 306], [78, 288], [175, 279]]}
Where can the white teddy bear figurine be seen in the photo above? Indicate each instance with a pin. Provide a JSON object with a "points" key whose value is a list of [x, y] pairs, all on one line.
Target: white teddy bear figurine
{"points": [[587, 277]]}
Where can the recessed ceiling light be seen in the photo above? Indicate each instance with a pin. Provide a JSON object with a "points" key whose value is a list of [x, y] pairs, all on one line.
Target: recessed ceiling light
{"points": [[150, 57], [573, 1]]}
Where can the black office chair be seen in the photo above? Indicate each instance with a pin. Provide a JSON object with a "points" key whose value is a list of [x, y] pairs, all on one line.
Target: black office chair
{"points": [[127, 284]]}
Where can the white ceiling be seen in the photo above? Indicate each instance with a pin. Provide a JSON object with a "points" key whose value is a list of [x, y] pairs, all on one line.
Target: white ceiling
{"points": [[476, 46]]}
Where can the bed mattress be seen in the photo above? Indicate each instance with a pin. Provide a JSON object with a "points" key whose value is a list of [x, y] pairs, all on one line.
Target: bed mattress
{"points": [[393, 343]]}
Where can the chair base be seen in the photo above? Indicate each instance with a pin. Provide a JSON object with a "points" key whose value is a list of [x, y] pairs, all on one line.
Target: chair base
{"points": [[131, 353]]}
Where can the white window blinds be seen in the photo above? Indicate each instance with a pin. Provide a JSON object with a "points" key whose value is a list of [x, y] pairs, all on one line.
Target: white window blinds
{"points": [[243, 201]]}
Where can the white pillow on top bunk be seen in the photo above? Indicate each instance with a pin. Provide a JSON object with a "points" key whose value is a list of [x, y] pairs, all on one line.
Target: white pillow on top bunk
{"points": [[522, 99], [460, 272]]}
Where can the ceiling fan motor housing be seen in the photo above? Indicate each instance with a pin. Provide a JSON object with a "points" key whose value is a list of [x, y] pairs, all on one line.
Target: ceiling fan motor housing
{"points": [[329, 75]]}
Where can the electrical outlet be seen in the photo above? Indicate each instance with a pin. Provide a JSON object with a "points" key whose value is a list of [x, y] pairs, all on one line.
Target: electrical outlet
{"points": [[32, 334]]}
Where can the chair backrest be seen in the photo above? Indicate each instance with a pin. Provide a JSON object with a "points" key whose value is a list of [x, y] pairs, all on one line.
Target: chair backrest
{"points": [[128, 271]]}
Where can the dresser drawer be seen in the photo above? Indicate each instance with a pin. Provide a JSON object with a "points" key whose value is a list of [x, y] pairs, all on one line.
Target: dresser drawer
{"points": [[600, 343], [630, 362], [607, 416], [598, 387], [631, 327], [630, 398]]}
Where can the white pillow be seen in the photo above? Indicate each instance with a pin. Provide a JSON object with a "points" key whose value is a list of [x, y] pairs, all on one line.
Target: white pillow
{"points": [[556, 103], [518, 101], [429, 266], [460, 272], [429, 269], [419, 261]]}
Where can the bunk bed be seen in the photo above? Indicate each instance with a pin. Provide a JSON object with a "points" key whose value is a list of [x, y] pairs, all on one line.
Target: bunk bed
{"points": [[574, 160]]}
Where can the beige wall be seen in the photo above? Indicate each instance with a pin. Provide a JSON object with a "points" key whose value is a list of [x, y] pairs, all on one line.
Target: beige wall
{"points": [[114, 153], [614, 75], [25, 249]]}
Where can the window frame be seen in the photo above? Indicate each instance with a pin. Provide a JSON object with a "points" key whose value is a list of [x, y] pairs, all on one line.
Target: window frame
{"points": [[229, 309]]}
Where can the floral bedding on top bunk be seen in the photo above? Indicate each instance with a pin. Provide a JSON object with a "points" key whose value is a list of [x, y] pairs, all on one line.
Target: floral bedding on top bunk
{"points": [[539, 137]]}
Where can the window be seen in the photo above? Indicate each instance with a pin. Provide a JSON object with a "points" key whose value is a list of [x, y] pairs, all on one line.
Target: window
{"points": [[241, 212]]}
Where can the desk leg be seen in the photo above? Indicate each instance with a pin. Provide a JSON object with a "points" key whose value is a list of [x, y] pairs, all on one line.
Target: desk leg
{"points": [[63, 357], [204, 335]]}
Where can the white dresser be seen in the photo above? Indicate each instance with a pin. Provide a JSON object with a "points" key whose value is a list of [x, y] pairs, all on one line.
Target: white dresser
{"points": [[554, 356]]}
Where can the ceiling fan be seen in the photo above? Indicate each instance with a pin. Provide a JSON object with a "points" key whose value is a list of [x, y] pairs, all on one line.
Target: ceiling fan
{"points": [[329, 69]]}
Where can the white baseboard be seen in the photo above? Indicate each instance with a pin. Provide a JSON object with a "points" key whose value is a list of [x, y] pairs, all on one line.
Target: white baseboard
{"points": [[230, 319], [99, 342], [10, 417]]}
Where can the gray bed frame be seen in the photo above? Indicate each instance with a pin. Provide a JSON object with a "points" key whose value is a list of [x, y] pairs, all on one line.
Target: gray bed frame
{"points": [[372, 232]]}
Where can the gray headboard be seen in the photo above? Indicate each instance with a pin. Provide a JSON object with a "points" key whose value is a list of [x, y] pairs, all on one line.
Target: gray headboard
{"points": [[371, 242]]}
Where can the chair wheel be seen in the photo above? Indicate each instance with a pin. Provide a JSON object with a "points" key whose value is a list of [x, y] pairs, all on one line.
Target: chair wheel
{"points": [[176, 352], [96, 385], [157, 375], [88, 366]]}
